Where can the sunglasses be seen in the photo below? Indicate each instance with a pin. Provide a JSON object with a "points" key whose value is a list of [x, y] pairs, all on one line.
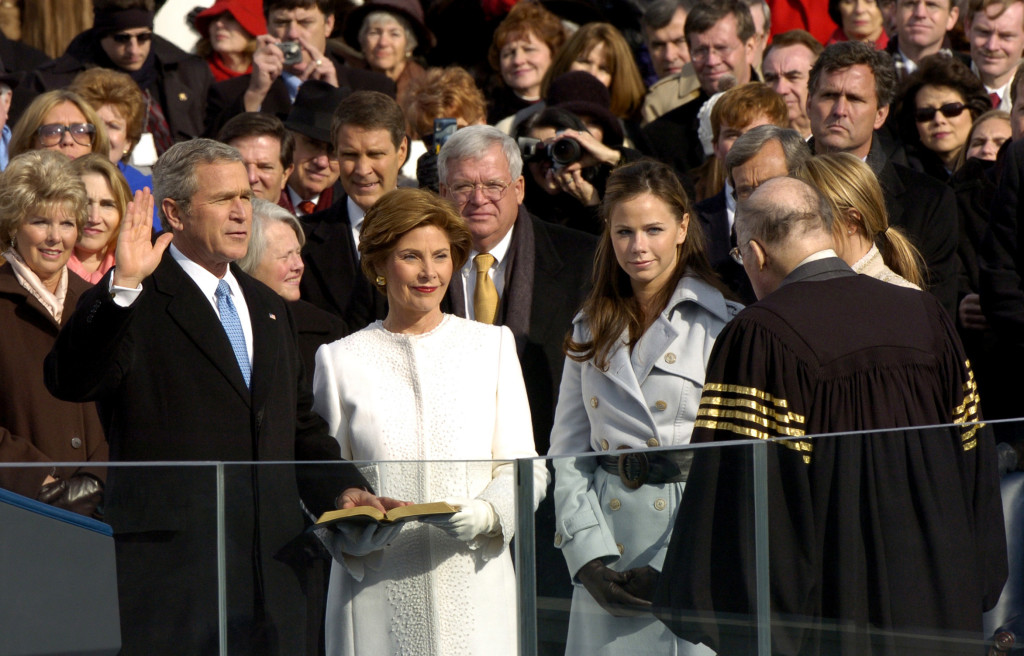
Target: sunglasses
{"points": [[123, 39], [949, 110], [52, 134]]}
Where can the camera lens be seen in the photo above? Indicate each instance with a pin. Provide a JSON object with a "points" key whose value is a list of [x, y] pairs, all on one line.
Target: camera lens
{"points": [[566, 151]]}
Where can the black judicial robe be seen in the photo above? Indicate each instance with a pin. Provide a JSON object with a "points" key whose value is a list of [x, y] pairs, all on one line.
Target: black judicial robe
{"points": [[877, 542]]}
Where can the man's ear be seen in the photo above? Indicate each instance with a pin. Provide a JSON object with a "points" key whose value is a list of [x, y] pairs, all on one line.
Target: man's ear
{"points": [[760, 256], [172, 211]]}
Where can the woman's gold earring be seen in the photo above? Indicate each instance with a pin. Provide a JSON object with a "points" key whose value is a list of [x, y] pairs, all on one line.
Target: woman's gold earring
{"points": [[380, 281]]}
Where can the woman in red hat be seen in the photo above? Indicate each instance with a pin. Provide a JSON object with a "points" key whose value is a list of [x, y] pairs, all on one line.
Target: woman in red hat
{"points": [[228, 32]]}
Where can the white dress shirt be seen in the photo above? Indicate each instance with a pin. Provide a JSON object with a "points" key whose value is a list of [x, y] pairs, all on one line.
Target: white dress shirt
{"points": [[355, 219]]}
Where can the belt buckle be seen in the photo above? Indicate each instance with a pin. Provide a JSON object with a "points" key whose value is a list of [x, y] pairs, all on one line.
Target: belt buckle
{"points": [[634, 470]]}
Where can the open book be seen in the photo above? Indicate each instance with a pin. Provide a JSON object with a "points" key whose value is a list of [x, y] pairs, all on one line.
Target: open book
{"points": [[369, 514]]}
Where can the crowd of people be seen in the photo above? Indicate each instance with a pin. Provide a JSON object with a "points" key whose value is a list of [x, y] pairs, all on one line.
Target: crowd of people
{"points": [[432, 238]]}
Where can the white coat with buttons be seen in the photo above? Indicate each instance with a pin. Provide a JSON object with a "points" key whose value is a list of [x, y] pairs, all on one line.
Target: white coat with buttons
{"points": [[647, 398]]}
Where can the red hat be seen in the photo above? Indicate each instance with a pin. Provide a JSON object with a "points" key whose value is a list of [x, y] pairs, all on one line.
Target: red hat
{"points": [[248, 13]]}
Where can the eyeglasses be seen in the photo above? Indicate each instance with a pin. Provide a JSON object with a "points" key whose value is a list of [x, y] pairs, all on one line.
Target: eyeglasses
{"points": [[949, 110], [701, 53], [124, 38], [493, 191], [736, 255], [52, 134]]}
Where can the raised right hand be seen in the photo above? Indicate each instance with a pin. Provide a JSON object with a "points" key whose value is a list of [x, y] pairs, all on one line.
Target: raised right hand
{"points": [[267, 64], [137, 256]]}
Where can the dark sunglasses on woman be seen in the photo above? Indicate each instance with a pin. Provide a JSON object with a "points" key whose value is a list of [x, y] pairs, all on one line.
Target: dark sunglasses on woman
{"points": [[949, 110]]}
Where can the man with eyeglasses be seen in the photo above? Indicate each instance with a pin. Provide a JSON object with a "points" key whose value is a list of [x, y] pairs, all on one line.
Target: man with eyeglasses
{"points": [[175, 84], [722, 43], [886, 543], [850, 89], [369, 147], [523, 272]]}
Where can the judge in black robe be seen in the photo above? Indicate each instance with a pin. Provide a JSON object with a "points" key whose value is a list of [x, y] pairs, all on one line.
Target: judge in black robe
{"points": [[885, 542]]}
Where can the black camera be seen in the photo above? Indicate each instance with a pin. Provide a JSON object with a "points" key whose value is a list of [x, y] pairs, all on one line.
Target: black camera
{"points": [[561, 153]]}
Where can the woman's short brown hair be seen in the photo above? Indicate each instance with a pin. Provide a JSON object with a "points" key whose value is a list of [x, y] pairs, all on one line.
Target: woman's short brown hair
{"points": [[527, 18], [442, 93], [23, 138], [401, 211], [103, 86], [39, 179]]}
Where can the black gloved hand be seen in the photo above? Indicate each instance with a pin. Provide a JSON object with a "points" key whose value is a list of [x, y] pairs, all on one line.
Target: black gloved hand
{"points": [[426, 171], [82, 493], [610, 589]]}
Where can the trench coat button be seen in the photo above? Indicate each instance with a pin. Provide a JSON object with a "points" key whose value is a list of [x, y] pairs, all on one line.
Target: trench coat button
{"points": [[670, 358], [659, 504], [604, 445], [76, 442], [660, 405], [558, 539], [593, 402], [618, 545], [614, 504], [184, 96], [653, 442]]}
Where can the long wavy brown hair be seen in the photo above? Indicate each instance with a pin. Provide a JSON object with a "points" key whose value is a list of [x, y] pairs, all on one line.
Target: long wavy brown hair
{"points": [[612, 308]]}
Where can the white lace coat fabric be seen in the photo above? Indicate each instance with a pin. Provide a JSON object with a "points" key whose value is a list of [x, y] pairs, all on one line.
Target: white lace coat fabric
{"points": [[455, 397], [873, 265]]}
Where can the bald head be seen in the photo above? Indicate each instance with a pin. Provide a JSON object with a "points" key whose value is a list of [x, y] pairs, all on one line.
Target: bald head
{"points": [[782, 222]]}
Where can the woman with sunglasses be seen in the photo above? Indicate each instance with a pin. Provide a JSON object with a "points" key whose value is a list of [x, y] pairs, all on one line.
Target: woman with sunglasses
{"points": [[939, 104], [62, 121]]}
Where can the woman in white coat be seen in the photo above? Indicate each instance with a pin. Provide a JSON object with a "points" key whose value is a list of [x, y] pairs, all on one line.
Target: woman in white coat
{"points": [[632, 381], [419, 389]]}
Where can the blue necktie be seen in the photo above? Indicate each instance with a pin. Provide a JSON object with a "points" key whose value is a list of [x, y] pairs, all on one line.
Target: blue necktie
{"points": [[233, 327]]}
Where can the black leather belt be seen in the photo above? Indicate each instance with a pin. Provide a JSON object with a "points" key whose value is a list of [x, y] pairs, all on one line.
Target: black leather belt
{"points": [[637, 468]]}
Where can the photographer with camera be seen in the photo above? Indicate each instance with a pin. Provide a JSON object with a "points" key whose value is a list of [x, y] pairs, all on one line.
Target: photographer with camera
{"points": [[570, 149], [293, 51]]}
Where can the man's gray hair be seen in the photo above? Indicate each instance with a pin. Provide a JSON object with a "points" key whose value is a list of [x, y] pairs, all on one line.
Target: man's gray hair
{"points": [[772, 215], [471, 142], [794, 147], [264, 215], [174, 175], [660, 12]]}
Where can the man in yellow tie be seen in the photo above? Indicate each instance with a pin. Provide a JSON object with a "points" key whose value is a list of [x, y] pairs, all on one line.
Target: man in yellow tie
{"points": [[523, 273]]}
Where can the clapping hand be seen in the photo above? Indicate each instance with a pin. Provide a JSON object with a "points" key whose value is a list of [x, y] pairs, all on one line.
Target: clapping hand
{"points": [[137, 255]]}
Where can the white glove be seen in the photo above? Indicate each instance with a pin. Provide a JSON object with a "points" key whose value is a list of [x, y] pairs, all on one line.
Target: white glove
{"points": [[475, 517], [355, 540]]}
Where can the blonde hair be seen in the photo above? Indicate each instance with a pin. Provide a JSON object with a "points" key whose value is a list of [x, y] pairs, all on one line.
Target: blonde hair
{"points": [[40, 179], [23, 139], [96, 164], [627, 88], [848, 183]]}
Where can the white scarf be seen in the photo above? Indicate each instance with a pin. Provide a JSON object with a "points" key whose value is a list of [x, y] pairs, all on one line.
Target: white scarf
{"points": [[54, 303]]}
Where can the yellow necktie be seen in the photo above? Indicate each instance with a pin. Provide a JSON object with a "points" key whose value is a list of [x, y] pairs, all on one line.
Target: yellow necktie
{"points": [[485, 297]]}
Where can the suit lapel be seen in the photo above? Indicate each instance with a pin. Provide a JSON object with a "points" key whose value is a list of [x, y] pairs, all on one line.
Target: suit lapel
{"points": [[330, 253], [190, 310]]}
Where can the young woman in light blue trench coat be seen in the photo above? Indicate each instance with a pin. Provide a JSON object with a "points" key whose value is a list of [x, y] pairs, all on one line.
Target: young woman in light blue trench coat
{"points": [[632, 382]]}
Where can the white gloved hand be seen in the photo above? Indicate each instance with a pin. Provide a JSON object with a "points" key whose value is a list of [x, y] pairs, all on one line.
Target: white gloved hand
{"points": [[475, 517], [357, 540]]}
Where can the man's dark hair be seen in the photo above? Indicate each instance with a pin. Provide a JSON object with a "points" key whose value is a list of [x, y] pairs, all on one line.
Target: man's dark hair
{"points": [[852, 53], [326, 7], [660, 12], [258, 124], [706, 14], [370, 110], [108, 5]]}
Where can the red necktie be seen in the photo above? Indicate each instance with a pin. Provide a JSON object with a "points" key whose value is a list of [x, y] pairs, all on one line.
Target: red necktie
{"points": [[994, 97], [307, 207]]}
